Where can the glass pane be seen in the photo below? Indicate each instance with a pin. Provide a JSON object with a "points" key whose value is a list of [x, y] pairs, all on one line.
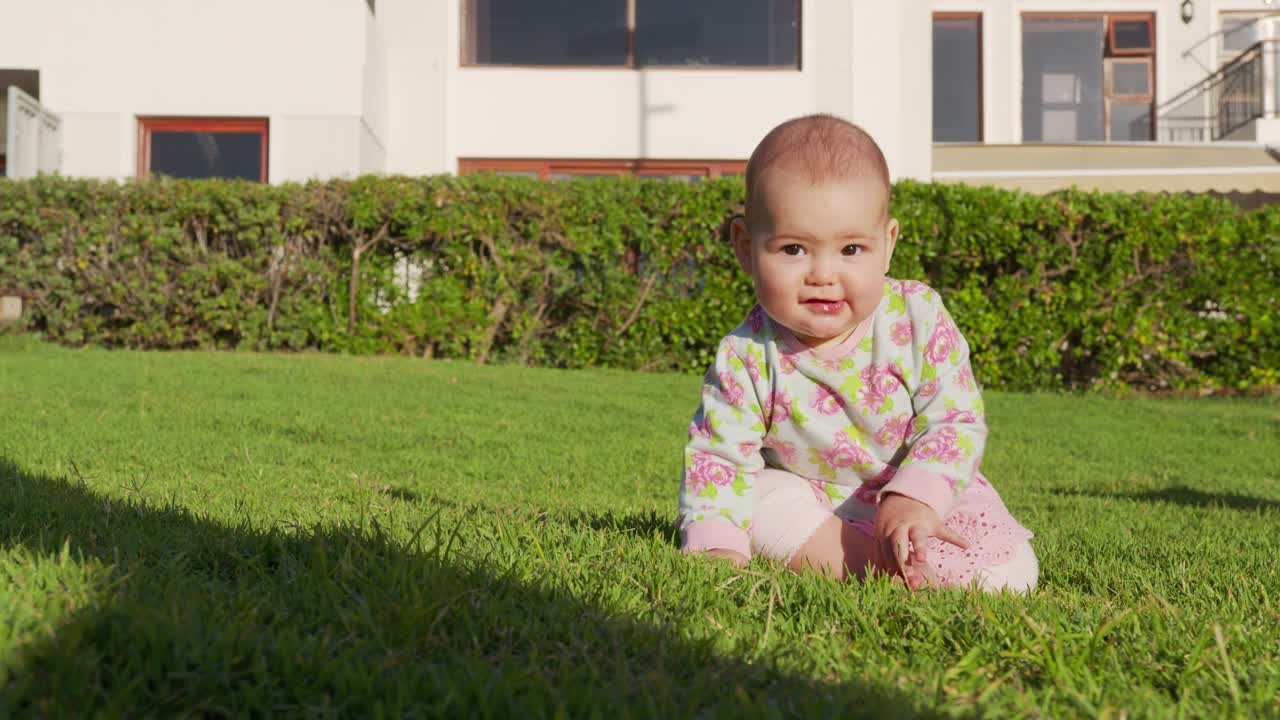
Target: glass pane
{"points": [[549, 32], [579, 176], [206, 154], [1129, 79], [758, 33], [1130, 122], [1132, 35], [957, 94], [518, 173], [1239, 32], [1062, 79]]}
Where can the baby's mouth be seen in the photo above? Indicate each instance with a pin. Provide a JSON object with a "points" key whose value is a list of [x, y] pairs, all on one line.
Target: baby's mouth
{"points": [[825, 307]]}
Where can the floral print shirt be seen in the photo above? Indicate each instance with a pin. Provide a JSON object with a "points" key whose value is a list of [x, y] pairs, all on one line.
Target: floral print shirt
{"points": [[894, 408]]}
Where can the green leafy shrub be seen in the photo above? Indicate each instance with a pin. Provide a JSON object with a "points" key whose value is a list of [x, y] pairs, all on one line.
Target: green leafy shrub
{"points": [[1071, 289]]}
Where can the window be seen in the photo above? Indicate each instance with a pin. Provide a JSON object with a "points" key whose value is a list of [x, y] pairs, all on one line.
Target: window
{"points": [[633, 33], [754, 33], [547, 32], [957, 77], [690, 171], [1131, 35], [203, 148], [1088, 78], [1241, 31]]}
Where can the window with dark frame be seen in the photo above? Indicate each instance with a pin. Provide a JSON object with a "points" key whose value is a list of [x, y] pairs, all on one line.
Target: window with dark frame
{"points": [[690, 171], [957, 77], [203, 147], [632, 33], [1088, 77]]}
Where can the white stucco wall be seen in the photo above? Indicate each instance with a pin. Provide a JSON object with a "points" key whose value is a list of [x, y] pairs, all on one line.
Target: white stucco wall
{"points": [[300, 63], [892, 94], [853, 63], [373, 125], [416, 33]]}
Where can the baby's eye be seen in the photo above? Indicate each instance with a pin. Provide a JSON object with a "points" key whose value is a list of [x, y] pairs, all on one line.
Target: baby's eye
{"points": [[853, 250], [792, 249]]}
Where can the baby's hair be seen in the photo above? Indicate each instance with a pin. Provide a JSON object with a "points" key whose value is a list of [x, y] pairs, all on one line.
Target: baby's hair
{"points": [[823, 147]]}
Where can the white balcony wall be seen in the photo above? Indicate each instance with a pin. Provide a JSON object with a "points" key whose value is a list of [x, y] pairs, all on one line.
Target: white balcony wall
{"points": [[314, 69]]}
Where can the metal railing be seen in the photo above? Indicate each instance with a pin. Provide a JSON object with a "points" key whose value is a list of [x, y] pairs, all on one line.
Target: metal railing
{"points": [[1229, 99]]}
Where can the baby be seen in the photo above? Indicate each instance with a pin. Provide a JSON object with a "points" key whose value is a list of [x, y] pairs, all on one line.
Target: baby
{"points": [[841, 427]]}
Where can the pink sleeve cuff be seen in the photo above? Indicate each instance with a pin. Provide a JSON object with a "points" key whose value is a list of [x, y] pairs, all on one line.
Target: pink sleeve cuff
{"points": [[930, 488], [714, 534]]}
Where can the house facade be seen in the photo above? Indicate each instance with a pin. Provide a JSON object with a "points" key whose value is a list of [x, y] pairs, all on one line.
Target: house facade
{"points": [[1036, 94]]}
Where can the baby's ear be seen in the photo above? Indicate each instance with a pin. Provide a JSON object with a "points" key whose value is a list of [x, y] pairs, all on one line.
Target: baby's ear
{"points": [[740, 236], [890, 242]]}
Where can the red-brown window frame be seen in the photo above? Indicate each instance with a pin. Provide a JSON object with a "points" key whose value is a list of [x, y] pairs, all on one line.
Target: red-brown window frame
{"points": [[466, 48], [546, 167], [982, 87], [1109, 73], [150, 124], [1113, 18]]}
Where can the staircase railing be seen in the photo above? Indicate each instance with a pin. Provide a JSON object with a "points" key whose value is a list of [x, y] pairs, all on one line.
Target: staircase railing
{"points": [[1225, 101]]}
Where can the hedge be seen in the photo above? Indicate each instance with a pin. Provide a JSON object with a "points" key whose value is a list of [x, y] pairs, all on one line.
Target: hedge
{"points": [[1067, 290]]}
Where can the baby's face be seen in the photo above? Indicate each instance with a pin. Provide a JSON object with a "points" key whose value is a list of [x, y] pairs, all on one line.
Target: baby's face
{"points": [[818, 252]]}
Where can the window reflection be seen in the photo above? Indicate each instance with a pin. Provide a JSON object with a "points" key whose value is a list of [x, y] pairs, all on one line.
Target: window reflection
{"points": [[548, 32], [957, 82], [760, 33], [206, 154], [1062, 92]]}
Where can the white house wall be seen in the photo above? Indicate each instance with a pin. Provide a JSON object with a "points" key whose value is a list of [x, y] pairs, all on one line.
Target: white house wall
{"points": [[850, 65], [418, 68], [346, 92], [892, 63], [373, 126], [102, 64]]}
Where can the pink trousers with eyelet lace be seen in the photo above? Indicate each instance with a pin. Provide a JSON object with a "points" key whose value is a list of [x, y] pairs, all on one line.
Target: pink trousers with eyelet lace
{"points": [[789, 509]]}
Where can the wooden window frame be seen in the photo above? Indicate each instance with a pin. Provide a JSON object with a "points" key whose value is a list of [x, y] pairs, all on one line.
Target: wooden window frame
{"points": [[982, 86], [1113, 18], [1108, 78], [150, 124], [467, 48], [546, 167], [1110, 54]]}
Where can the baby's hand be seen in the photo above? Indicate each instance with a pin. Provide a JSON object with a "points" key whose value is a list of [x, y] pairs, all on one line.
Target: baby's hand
{"points": [[733, 556], [903, 529]]}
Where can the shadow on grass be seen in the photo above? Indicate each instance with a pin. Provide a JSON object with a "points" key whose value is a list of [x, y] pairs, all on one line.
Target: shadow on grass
{"points": [[1182, 495], [177, 614]]}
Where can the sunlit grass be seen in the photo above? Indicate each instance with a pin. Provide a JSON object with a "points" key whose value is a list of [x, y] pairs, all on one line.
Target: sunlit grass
{"points": [[232, 534]]}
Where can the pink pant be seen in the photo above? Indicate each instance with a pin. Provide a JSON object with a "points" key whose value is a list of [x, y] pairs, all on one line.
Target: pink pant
{"points": [[788, 511]]}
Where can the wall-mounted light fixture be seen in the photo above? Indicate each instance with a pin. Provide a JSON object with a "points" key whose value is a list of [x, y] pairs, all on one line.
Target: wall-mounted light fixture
{"points": [[1188, 11]]}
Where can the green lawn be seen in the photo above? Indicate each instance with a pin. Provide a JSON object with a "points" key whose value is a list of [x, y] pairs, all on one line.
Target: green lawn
{"points": [[237, 534]]}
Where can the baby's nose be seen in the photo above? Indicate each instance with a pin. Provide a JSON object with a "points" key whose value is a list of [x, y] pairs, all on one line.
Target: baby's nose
{"points": [[821, 273]]}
